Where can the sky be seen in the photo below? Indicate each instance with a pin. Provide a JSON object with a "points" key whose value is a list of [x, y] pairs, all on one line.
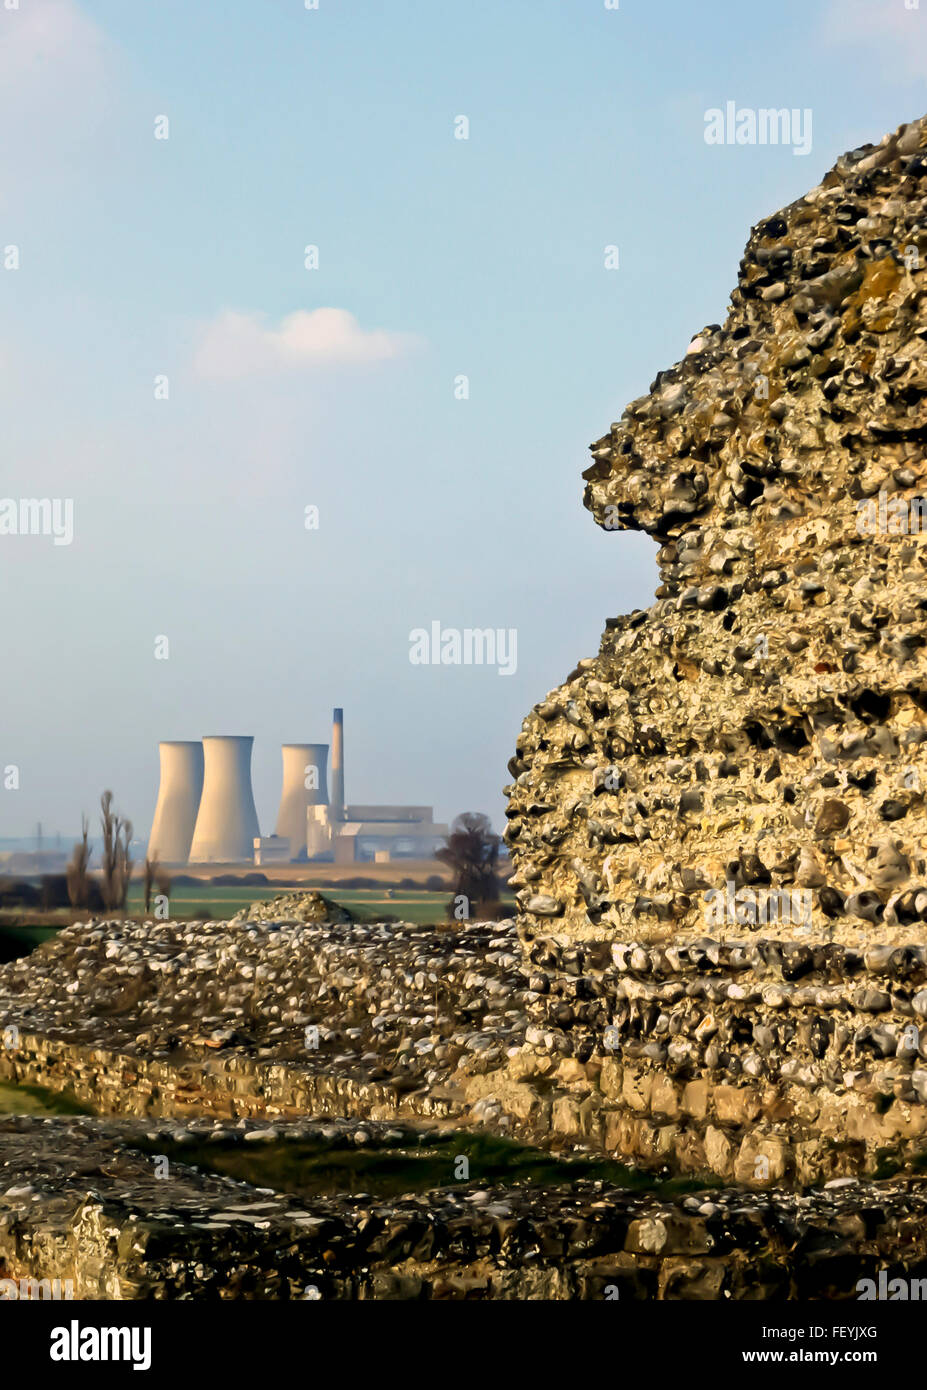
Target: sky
{"points": [[429, 382]]}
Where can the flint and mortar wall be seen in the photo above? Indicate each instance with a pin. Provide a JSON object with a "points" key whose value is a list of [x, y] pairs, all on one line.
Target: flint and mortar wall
{"points": [[765, 721], [87, 1208], [758, 1061]]}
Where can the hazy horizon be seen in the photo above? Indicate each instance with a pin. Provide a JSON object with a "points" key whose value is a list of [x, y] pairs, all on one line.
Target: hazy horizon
{"points": [[170, 364]]}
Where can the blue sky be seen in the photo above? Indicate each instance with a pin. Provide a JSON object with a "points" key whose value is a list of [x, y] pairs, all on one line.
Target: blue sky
{"points": [[184, 257]]}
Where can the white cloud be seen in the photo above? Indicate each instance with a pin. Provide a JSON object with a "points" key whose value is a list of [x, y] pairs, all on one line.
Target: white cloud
{"points": [[47, 45], [239, 345], [897, 33], [56, 84]]}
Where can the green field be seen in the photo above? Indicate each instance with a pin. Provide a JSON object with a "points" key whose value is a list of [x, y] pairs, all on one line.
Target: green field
{"points": [[36, 1100], [18, 940], [21, 933], [405, 905], [219, 902]]}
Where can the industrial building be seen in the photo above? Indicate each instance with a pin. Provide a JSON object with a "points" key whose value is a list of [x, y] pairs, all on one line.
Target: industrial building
{"points": [[271, 849], [374, 833], [205, 812]]}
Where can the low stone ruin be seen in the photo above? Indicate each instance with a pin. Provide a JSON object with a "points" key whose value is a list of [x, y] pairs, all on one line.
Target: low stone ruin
{"points": [[743, 1059], [299, 906], [83, 1210]]}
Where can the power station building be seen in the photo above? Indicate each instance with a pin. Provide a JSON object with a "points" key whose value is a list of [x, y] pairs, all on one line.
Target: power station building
{"points": [[205, 812], [178, 801], [226, 822], [305, 786]]}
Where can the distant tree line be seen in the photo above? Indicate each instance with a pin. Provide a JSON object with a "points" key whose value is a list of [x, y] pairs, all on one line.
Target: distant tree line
{"points": [[111, 891]]}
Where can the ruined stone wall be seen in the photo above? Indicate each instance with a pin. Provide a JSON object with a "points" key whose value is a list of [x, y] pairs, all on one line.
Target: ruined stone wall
{"points": [[78, 1204], [236, 1085], [758, 1061], [764, 724], [753, 1059]]}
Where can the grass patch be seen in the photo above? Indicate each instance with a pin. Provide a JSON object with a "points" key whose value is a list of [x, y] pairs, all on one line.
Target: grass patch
{"points": [[306, 1169], [18, 940], [37, 1100]]}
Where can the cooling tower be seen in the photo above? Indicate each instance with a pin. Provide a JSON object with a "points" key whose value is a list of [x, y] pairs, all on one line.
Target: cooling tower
{"points": [[227, 823], [337, 806], [304, 784], [178, 801]]}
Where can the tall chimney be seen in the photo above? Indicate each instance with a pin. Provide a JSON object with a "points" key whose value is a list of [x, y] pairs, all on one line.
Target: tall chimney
{"points": [[304, 784], [227, 824], [337, 802], [178, 801]]}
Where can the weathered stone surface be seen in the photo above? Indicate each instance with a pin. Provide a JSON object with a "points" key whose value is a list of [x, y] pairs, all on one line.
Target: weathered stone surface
{"points": [[756, 1057], [80, 1204], [764, 724], [392, 1006], [303, 905]]}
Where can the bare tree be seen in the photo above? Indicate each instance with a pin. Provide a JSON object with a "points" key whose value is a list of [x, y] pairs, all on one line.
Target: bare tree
{"points": [[124, 863], [77, 876], [117, 862], [472, 852], [163, 882], [152, 871]]}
